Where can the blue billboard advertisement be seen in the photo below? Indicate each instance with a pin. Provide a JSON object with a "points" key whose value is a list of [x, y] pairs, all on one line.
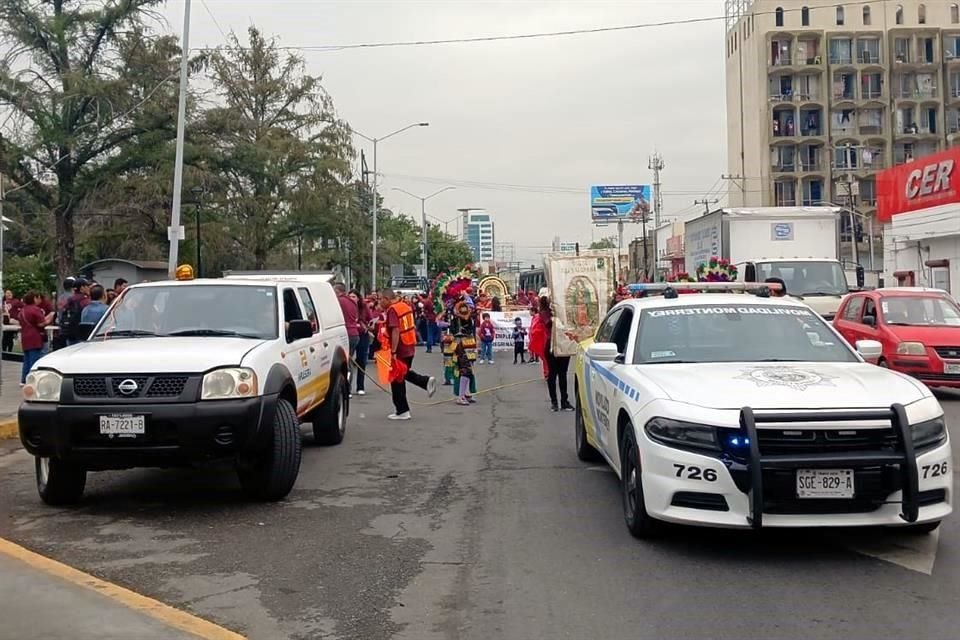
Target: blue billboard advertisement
{"points": [[626, 202]]}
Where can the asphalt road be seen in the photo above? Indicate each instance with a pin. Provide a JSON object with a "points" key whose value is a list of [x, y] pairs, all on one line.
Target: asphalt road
{"points": [[476, 523]]}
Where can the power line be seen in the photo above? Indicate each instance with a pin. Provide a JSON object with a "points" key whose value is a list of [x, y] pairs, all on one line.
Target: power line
{"points": [[214, 18], [521, 36]]}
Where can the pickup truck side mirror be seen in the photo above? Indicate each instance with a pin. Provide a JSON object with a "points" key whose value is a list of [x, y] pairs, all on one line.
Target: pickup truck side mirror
{"points": [[299, 330], [870, 321]]}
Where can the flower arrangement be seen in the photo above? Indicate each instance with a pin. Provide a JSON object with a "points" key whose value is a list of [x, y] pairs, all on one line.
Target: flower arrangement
{"points": [[683, 276], [717, 270]]}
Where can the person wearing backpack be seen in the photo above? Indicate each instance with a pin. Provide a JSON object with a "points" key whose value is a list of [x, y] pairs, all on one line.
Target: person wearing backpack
{"points": [[72, 315]]}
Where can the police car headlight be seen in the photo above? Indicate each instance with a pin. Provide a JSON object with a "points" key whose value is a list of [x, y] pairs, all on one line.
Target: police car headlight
{"points": [[235, 382], [683, 435], [929, 433], [42, 386]]}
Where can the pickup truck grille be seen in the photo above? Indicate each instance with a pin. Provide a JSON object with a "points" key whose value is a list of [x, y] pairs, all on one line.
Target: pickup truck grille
{"points": [[171, 386]]}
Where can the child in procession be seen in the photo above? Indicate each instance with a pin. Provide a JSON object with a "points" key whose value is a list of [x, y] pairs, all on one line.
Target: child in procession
{"points": [[519, 340], [488, 333]]}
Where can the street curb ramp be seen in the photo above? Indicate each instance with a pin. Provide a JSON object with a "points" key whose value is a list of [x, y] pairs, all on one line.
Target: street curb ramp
{"points": [[9, 428]]}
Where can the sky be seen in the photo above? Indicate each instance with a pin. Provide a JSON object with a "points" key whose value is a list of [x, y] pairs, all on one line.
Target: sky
{"points": [[563, 112]]}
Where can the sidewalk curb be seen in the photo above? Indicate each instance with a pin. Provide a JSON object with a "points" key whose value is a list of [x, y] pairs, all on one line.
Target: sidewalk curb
{"points": [[9, 428]]}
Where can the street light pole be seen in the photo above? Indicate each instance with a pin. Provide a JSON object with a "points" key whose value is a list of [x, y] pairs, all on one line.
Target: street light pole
{"points": [[423, 218], [198, 200], [374, 205], [173, 233]]}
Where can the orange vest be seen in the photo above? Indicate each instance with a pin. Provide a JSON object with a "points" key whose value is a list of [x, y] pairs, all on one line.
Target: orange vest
{"points": [[408, 329]]}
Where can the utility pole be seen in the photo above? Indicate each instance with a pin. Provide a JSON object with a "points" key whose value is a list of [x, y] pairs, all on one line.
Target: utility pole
{"points": [[706, 204], [175, 232], [848, 155], [655, 164], [740, 181]]}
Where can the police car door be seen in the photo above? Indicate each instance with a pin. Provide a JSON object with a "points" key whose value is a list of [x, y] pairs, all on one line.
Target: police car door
{"points": [[297, 354], [622, 391], [597, 381]]}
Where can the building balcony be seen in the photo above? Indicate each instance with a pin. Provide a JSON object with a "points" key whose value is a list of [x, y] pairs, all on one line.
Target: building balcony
{"points": [[871, 94]]}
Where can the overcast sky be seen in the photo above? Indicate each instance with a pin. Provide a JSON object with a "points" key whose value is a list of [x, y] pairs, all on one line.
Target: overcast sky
{"points": [[560, 112]]}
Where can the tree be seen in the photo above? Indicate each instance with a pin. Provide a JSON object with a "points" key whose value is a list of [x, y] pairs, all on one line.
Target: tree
{"points": [[604, 243], [90, 93], [445, 251], [282, 156]]}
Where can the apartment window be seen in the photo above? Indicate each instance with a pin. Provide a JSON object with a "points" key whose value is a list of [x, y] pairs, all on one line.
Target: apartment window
{"points": [[868, 51], [785, 193], [866, 16], [899, 17], [843, 84], [812, 193], [784, 159], [901, 49], [953, 120], [922, 14], [955, 14], [870, 122], [868, 192], [955, 84], [808, 87], [841, 50], [779, 14], [926, 50], [845, 158], [780, 52], [805, 16], [839, 16], [928, 122], [871, 86], [808, 51], [841, 122], [809, 158], [951, 47], [810, 122]]}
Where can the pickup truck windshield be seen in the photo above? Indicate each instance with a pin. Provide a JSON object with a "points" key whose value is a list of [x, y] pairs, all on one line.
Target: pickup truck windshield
{"points": [[193, 310], [806, 278], [741, 333]]}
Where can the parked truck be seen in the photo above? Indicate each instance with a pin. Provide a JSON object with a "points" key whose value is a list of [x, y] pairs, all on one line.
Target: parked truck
{"points": [[799, 245]]}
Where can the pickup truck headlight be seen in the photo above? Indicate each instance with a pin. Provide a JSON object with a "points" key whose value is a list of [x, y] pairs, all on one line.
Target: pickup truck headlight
{"points": [[42, 386], [683, 435], [233, 382], [911, 349], [929, 433]]}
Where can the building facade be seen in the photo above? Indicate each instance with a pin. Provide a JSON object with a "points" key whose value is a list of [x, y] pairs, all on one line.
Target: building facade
{"points": [[479, 235], [822, 98]]}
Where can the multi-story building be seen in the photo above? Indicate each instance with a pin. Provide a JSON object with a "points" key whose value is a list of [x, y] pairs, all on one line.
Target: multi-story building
{"points": [[478, 234], [820, 98]]}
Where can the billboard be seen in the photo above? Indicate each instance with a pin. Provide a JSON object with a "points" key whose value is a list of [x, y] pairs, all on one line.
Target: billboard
{"points": [[622, 202]]}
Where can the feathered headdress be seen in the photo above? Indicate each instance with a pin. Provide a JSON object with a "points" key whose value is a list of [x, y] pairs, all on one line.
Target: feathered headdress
{"points": [[448, 286]]}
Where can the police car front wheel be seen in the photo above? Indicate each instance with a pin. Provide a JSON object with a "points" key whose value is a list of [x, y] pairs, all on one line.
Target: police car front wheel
{"points": [[635, 515]]}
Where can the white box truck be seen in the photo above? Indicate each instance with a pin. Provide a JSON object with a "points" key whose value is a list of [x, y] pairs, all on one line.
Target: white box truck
{"points": [[799, 245]]}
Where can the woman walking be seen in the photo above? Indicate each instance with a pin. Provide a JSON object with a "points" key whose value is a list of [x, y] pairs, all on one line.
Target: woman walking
{"points": [[364, 319], [557, 366], [32, 329]]}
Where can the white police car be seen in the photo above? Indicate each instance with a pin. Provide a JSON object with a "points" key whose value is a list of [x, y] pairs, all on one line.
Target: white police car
{"points": [[739, 410]]}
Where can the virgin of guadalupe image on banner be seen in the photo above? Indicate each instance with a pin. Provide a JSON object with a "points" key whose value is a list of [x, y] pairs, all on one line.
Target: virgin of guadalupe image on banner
{"points": [[582, 287]]}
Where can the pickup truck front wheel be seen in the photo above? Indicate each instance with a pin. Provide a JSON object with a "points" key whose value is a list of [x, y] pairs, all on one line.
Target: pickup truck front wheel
{"points": [[59, 483], [270, 474]]}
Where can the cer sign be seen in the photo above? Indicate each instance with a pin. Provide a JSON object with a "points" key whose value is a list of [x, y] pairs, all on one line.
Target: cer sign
{"points": [[933, 178]]}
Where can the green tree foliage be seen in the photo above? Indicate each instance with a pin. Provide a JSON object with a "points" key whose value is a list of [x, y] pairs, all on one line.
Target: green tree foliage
{"points": [[281, 155], [604, 243], [89, 87], [446, 252]]}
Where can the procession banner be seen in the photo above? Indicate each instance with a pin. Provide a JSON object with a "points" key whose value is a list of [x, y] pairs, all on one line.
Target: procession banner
{"points": [[580, 289], [504, 321]]}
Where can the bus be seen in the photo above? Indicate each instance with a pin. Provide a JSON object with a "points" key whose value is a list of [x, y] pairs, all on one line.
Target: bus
{"points": [[532, 280]]}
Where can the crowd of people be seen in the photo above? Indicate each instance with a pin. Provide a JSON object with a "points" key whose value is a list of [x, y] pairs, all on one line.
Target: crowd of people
{"points": [[80, 304], [462, 327]]}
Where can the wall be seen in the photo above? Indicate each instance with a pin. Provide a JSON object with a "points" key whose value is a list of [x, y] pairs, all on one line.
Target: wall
{"points": [[936, 231]]}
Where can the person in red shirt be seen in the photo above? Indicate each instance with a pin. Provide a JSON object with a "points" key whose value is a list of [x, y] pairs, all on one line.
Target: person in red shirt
{"points": [[488, 333], [351, 317], [11, 312], [403, 346], [32, 328], [363, 346]]}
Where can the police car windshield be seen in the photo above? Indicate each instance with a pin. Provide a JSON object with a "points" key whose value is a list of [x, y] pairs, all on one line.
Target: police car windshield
{"points": [[740, 333], [213, 311]]}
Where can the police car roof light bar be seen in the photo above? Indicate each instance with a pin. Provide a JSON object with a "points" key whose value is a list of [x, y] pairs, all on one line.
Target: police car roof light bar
{"points": [[660, 287]]}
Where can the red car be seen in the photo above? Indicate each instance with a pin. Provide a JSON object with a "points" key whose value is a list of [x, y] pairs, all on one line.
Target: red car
{"points": [[918, 328]]}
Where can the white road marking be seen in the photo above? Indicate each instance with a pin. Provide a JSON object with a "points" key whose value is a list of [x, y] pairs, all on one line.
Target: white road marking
{"points": [[915, 552]]}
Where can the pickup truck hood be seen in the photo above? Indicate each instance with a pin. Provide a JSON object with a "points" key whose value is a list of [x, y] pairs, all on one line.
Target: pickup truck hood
{"points": [[149, 355], [807, 385]]}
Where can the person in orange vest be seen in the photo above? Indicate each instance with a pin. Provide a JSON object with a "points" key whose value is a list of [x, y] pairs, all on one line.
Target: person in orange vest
{"points": [[402, 333]]}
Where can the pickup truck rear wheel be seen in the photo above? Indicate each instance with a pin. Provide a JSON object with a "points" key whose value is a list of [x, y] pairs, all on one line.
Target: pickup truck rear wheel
{"points": [[271, 473], [59, 483], [330, 419]]}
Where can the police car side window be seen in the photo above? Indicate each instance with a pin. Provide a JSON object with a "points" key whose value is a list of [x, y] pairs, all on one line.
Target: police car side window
{"points": [[621, 333], [852, 312], [605, 332]]}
